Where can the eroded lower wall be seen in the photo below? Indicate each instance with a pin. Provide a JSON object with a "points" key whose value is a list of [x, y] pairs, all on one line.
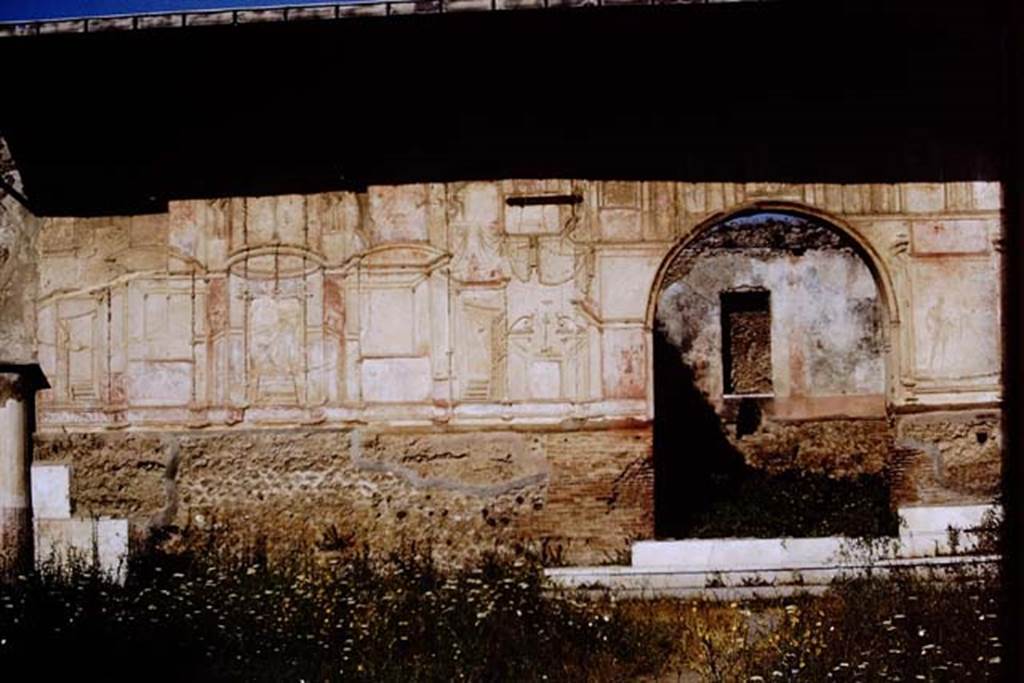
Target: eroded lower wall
{"points": [[577, 496]]}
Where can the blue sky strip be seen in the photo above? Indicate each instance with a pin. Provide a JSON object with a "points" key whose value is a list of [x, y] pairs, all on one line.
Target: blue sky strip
{"points": [[43, 10]]}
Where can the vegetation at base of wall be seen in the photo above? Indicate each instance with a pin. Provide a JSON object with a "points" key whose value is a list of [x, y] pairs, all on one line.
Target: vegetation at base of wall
{"points": [[793, 503], [903, 627], [991, 533], [402, 618], [397, 618]]}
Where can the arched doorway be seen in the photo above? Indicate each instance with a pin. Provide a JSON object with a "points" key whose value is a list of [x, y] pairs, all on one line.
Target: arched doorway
{"points": [[771, 369]]}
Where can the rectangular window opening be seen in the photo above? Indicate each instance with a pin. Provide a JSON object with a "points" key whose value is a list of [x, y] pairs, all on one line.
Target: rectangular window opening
{"points": [[747, 342]]}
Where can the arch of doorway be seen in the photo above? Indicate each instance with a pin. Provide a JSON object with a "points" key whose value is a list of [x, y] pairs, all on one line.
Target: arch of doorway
{"points": [[731, 464], [876, 265]]}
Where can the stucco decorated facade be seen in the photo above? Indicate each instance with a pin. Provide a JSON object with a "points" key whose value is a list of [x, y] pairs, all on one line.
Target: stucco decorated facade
{"points": [[474, 363]]}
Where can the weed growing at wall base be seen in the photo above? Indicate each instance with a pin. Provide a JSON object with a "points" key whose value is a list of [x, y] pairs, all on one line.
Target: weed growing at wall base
{"points": [[399, 618], [901, 627], [403, 618]]}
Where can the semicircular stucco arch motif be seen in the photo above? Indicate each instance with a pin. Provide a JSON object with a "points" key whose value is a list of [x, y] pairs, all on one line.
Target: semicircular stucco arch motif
{"points": [[766, 232], [868, 251]]}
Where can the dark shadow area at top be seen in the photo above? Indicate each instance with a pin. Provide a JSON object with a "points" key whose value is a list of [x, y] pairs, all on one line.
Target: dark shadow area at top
{"points": [[823, 92], [705, 489]]}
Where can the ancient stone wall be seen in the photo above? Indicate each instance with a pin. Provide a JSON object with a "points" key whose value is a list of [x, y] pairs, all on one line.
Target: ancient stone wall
{"points": [[257, 337], [18, 269], [822, 301], [579, 496]]}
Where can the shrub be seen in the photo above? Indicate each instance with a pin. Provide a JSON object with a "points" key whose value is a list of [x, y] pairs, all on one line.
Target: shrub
{"points": [[901, 627], [404, 618]]}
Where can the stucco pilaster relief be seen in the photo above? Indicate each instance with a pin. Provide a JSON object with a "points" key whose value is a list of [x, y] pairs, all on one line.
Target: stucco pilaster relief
{"points": [[508, 300]]}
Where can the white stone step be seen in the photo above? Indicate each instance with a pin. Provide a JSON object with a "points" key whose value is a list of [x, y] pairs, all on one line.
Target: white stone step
{"points": [[735, 584], [924, 532]]}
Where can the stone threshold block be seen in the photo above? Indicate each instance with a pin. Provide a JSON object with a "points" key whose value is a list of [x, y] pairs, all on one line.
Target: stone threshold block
{"points": [[943, 530]]}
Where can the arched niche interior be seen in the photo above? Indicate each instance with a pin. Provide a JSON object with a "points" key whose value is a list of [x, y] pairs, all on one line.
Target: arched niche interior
{"points": [[770, 358]]}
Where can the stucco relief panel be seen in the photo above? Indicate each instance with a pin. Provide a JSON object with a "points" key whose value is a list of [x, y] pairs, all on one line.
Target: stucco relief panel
{"points": [[397, 316], [79, 349], [549, 344], [482, 344], [431, 293], [72, 334], [158, 317], [956, 321], [477, 240]]}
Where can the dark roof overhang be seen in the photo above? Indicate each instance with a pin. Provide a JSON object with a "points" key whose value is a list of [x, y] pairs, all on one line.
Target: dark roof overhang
{"points": [[122, 122]]}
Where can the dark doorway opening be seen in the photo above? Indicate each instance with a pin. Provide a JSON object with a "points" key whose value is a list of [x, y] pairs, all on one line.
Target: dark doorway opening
{"points": [[732, 456]]}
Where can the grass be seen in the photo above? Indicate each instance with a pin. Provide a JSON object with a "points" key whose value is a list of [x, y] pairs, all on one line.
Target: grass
{"points": [[404, 618], [903, 628], [399, 618]]}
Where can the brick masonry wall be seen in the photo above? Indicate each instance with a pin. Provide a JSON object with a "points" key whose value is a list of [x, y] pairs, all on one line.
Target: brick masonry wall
{"points": [[950, 457], [579, 496]]}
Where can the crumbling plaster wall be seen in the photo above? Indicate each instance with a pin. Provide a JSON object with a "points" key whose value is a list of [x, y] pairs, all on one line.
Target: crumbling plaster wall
{"points": [[253, 329], [825, 407], [826, 317], [18, 270]]}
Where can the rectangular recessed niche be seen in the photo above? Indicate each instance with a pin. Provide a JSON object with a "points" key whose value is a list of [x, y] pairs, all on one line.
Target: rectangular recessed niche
{"points": [[746, 342], [544, 200]]}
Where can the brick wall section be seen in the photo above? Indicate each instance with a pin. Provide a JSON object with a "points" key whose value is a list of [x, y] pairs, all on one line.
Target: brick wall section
{"points": [[838, 447], [584, 495], [602, 489], [951, 457]]}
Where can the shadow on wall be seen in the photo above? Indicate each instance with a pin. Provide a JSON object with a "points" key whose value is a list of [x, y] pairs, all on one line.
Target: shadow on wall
{"points": [[694, 462], [704, 488]]}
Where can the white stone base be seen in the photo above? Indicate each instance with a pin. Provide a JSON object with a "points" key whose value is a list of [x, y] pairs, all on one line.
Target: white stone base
{"points": [[764, 567], [64, 543], [51, 491], [648, 582], [945, 530]]}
